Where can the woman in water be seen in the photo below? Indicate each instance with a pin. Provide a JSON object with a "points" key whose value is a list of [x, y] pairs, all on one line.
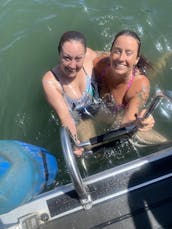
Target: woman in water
{"points": [[70, 85], [121, 76]]}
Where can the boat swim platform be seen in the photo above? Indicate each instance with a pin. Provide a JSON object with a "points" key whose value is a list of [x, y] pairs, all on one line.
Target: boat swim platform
{"points": [[133, 195]]}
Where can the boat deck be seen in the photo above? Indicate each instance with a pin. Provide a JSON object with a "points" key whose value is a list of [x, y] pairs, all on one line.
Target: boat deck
{"points": [[148, 207], [133, 195]]}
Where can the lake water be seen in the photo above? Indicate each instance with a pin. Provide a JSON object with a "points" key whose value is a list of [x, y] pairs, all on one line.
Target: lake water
{"points": [[30, 31]]}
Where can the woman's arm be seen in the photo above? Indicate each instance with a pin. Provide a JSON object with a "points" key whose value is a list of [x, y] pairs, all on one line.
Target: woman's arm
{"points": [[136, 99], [53, 92]]}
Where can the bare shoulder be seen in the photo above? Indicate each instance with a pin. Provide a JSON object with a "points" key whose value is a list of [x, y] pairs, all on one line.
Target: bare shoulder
{"points": [[47, 75], [140, 87], [50, 83], [101, 62], [141, 80], [94, 54], [102, 53], [47, 78], [90, 54]]}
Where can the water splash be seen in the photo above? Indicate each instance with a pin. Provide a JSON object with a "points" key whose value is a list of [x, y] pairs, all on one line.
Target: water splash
{"points": [[54, 118], [22, 120]]}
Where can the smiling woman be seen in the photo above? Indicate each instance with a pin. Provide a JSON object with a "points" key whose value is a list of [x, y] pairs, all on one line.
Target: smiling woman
{"points": [[69, 86], [121, 75]]}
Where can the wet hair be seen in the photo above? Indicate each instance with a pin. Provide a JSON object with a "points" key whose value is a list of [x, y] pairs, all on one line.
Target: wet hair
{"points": [[143, 64], [71, 35]]}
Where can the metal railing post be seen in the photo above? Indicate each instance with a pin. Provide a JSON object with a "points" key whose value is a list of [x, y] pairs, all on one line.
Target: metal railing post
{"points": [[81, 188]]}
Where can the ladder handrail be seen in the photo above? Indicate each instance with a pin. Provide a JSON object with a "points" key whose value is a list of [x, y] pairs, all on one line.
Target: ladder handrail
{"points": [[81, 188]]}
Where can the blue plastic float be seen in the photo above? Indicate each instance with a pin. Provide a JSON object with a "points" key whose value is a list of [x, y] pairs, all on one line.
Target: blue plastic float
{"points": [[25, 171]]}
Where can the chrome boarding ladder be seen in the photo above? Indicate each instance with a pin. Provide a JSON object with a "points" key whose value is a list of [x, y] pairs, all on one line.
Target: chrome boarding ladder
{"points": [[81, 188]]}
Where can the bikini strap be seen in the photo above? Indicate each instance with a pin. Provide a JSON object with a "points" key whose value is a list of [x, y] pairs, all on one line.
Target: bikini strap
{"points": [[58, 79], [54, 73], [130, 81], [85, 71]]}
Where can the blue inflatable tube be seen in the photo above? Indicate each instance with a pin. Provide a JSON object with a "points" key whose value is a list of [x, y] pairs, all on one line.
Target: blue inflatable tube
{"points": [[25, 171]]}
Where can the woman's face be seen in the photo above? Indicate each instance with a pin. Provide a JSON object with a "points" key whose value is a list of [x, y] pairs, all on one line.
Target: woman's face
{"points": [[124, 55], [72, 58]]}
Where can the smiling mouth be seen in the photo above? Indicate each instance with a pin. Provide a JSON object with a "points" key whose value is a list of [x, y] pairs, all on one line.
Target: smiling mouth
{"points": [[119, 66], [71, 70]]}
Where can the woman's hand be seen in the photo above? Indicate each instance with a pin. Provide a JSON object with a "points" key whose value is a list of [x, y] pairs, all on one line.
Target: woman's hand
{"points": [[145, 124], [77, 150]]}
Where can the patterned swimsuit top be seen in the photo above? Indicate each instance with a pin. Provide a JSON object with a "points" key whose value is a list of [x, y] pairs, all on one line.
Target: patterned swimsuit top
{"points": [[87, 97], [117, 107]]}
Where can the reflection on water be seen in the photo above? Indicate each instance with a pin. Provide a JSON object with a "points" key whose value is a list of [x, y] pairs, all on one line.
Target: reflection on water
{"points": [[166, 106], [28, 47], [166, 109]]}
